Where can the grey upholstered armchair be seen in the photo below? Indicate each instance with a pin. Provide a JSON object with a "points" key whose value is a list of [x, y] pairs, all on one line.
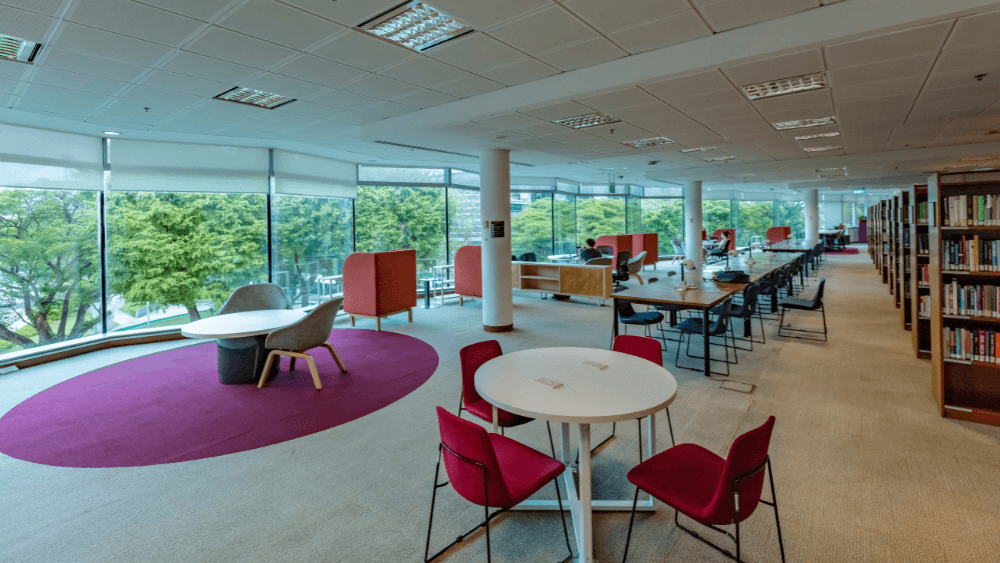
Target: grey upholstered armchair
{"points": [[635, 266], [311, 332], [255, 297]]}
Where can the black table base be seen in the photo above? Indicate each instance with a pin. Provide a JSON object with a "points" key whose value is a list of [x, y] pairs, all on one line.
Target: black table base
{"points": [[242, 359]]}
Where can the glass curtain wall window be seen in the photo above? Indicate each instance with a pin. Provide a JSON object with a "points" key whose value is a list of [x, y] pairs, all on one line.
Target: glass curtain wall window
{"points": [[531, 223], [564, 223], [633, 214], [463, 219], [755, 218], [791, 214], [666, 218], [716, 214], [599, 215], [312, 236], [399, 218]]}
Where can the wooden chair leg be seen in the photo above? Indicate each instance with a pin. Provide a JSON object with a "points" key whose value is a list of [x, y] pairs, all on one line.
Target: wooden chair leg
{"points": [[267, 367], [378, 324], [312, 369], [638, 278], [336, 357], [460, 302], [410, 313], [352, 320]]}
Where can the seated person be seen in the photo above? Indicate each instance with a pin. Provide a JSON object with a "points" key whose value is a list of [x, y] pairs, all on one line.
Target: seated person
{"points": [[589, 252]]}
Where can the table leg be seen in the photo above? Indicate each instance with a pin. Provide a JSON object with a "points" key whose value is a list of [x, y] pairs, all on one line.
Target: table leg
{"points": [[614, 321], [585, 531], [496, 419], [427, 294], [704, 332]]}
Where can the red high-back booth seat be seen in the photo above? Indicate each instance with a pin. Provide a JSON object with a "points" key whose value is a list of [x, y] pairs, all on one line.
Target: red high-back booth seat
{"points": [[379, 284], [648, 242], [619, 243], [778, 234], [468, 272], [730, 237]]}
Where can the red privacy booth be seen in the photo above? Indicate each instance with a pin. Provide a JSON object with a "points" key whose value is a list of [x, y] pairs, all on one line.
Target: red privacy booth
{"points": [[730, 235], [648, 242], [468, 272], [619, 243], [778, 234], [379, 284]]}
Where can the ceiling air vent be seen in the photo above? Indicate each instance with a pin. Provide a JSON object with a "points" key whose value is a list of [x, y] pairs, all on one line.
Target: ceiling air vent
{"points": [[416, 26], [699, 149], [16, 49], [818, 149], [254, 98], [802, 123], [785, 86], [589, 120], [643, 143]]}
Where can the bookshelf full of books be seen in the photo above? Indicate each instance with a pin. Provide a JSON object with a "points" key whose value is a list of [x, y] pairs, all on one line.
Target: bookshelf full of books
{"points": [[920, 281], [901, 260], [963, 262], [883, 238]]}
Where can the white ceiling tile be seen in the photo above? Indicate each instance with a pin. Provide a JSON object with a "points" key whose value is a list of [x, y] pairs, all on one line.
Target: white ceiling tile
{"points": [[977, 90], [671, 30], [483, 15], [362, 51], [969, 57], [24, 24], [619, 99], [310, 109], [110, 45], [784, 66], [423, 71], [644, 112], [687, 86], [212, 119], [975, 30], [612, 16], [723, 15], [964, 105], [118, 124], [881, 89], [139, 106], [319, 71], [78, 97], [733, 121], [470, 129], [509, 121], [229, 109], [543, 31], [8, 86], [586, 53], [46, 7], [278, 23], [285, 86], [87, 64], [204, 10], [241, 49], [345, 12], [659, 122], [540, 129], [200, 66], [619, 132], [46, 104], [475, 52], [721, 113], [468, 86], [425, 99], [876, 104], [281, 119], [14, 71], [129, 117], [964, 77], [898, 45], [707, 100], [561, 110], [146, 93], [193, 127], [74, 81], [900, 68], [186, 84], [135, 20], [380, 87], [383, 110], [344, 100], [525, 70]]}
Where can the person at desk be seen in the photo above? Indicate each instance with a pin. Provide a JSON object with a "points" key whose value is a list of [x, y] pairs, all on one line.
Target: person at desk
{"points": [[589, 252]]}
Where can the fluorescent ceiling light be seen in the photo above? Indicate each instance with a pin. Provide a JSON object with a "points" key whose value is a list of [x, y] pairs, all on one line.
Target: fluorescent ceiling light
{"points": [[699, 149], [817, 136], [17, 49], [589, 120], [583, 162], [415, 25], [817, 149], [642, 143], [801, 123], [718, 158], [785, 86], [832, 169], [614, 168], [111, 133], [255, 98]]}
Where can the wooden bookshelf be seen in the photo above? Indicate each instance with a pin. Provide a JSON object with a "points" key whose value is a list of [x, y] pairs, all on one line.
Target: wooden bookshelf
{"points": [[903, 263], [892, 247], [964, 388], [566, 279], [920, 326]]}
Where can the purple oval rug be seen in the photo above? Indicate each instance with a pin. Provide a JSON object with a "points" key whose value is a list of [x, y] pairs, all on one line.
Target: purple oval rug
{"points": [[170, 406]]}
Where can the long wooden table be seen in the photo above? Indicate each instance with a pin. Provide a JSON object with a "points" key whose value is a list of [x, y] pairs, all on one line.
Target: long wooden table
{"points": [[707, 295], [798, 245]]}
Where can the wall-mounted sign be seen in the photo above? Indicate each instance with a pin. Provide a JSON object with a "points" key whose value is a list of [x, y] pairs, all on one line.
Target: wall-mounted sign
{"points": [[496, 229], [860, 191]]}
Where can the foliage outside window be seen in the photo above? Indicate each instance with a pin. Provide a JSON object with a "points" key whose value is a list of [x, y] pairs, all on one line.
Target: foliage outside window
{"points": [[181, 254], [791, 214], [633, 214], [399, 218], [531, 223], [716, 214], [599, 215], [666, 218], [463, 219], [755, 218], [312, 237], [564, 223], [49, 267]]}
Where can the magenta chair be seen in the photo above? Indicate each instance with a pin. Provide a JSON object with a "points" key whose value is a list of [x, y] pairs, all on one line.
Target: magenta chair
{"points": [[489, 470], [472, 357], [708, 489], [647, 349]]}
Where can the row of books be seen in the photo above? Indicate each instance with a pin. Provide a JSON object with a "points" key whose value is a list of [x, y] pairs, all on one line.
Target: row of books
{"points": [[972, 300], [924, 276], [924, 307], [971, 255], [906, 237], [920, 210], [970, 210], [972, 345], [923, 243]]}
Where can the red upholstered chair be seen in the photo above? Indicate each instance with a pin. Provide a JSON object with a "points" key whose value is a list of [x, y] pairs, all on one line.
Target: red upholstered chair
{"points": [[468, 272], [618, 243], [379, 284], [489, 470], [777, 234], [709, 489], [647, 349], [648, 242]]}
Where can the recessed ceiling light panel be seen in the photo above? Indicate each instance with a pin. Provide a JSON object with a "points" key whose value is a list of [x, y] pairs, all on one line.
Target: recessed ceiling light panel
{"points": [[583, 162], [719, 158], [643, 143], [415, 25], [817, 136], [614, 168], [17, 49], [699, 149], [589, 120], [785, 86], [818, 149], [844, 168], [802, 123], [257, 98]]}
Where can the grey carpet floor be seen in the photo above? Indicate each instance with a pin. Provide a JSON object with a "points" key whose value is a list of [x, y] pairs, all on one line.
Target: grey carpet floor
{"points": [[865, 469]]}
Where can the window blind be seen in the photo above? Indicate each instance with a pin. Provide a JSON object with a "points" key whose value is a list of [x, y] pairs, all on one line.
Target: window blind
{"points": [[36, 158], [152, 166], [302, 174]]}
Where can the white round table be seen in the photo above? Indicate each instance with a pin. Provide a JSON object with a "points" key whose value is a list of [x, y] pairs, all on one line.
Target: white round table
{"points": [[597, 386], [240, 338]]}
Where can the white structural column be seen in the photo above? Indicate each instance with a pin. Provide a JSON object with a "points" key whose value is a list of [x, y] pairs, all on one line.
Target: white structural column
{"points": [[692, 225], [494, 192], [812, 215]]}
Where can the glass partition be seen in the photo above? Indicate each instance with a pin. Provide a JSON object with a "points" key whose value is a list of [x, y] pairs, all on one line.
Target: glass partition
{"points": [[666, 218], [50, 272], [311, 238], [176, 257], [399, 217], [531, 224]]}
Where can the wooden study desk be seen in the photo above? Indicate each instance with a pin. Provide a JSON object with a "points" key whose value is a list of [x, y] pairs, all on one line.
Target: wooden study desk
{"points": [[797, 245]]}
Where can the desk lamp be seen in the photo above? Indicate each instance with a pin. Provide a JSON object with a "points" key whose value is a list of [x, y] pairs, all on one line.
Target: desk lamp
{"points": [[733, 253], [686, 265]]}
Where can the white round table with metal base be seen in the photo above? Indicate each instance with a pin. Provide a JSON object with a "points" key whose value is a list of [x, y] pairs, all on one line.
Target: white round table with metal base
{"points": [[240, 339], [596, 386]]}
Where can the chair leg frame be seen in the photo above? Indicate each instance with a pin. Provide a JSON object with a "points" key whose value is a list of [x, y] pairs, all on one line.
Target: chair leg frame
{"points": [[275, 353], [781, 327]]}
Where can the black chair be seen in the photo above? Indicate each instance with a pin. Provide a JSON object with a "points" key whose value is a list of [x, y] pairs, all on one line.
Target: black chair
{"points": [[527, 257], [746, 311], [718, 328], [605, 250], [814, 304], [628, 316]]}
